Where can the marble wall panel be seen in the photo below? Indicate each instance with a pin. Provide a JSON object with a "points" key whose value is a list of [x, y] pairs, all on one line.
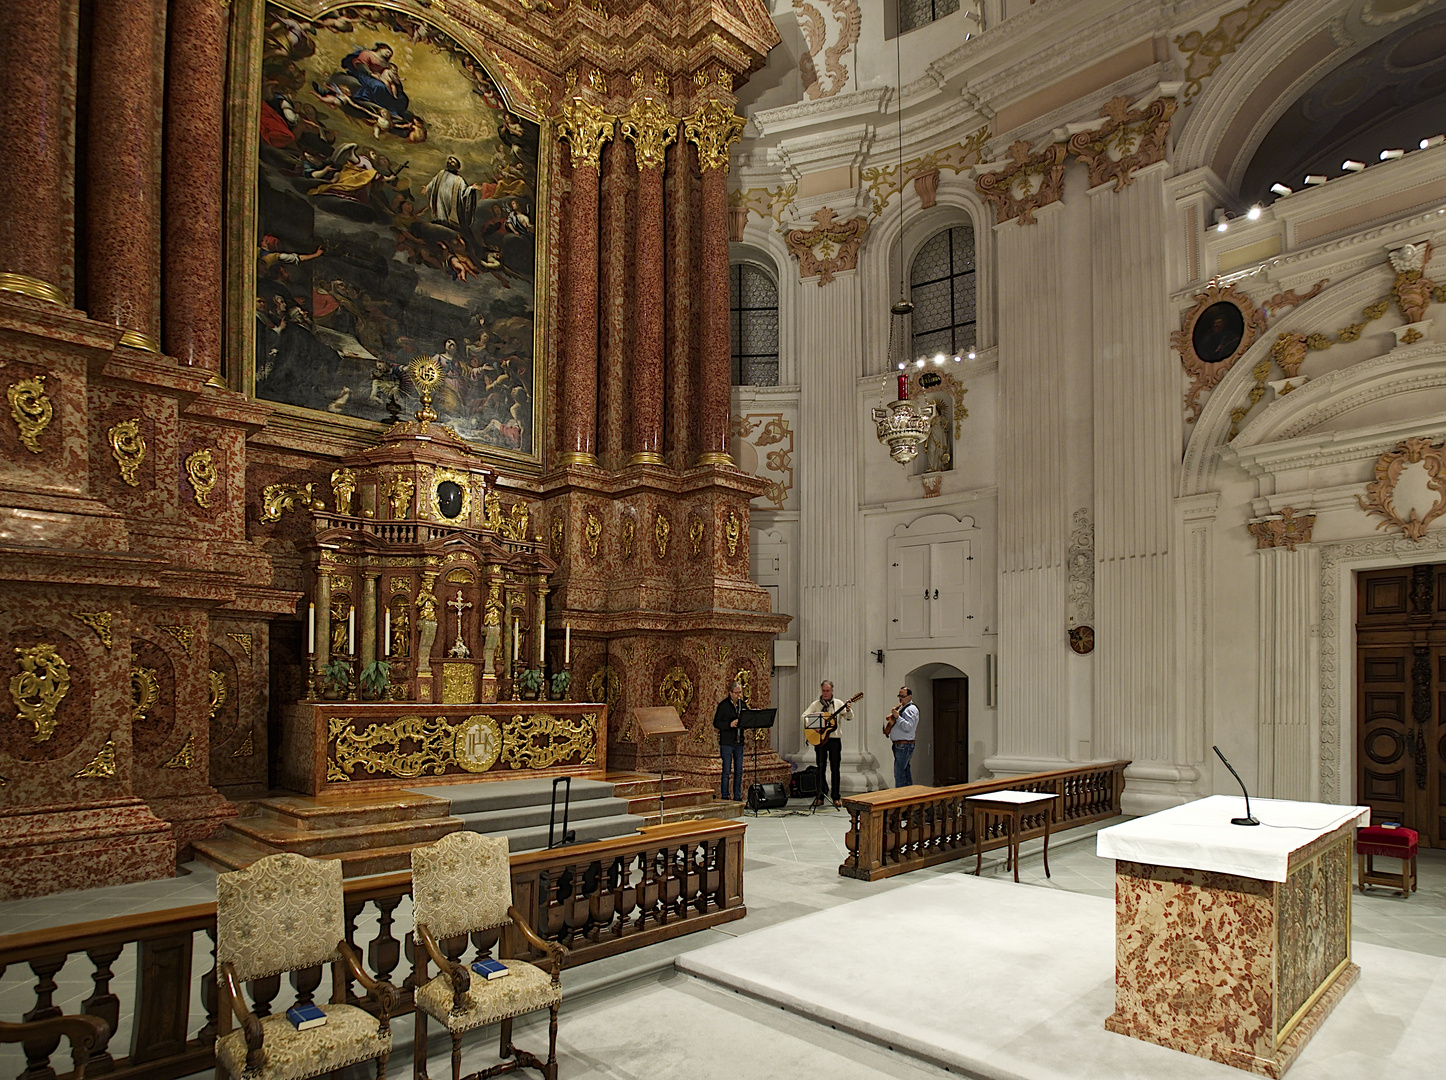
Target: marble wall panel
{"points": [[159, 425], [224, 514], [60, 465]]}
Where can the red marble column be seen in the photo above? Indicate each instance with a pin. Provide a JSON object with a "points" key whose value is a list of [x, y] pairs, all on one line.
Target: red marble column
{"points": [[32, 147], [680, 328], [716, 353], [652, 129], [191, 272], [579, 376], [615, 302], [122, 193]]}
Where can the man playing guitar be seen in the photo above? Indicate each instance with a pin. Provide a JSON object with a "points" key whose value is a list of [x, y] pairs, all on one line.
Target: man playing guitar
{"points": [[820, 725]]}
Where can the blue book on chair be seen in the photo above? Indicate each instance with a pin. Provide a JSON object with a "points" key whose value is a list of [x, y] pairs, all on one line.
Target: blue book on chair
{"points": [[305, 1017], [489, 968]]}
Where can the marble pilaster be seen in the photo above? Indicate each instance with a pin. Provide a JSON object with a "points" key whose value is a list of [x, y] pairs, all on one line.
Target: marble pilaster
{"points": [[1288, 674]]}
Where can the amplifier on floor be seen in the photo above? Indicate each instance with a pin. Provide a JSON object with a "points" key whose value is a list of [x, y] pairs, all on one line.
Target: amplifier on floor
{"points": [[767, 797]]}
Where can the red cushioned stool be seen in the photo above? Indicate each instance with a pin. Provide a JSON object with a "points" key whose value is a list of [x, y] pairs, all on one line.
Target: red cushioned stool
{"points": [[1397, 843]]}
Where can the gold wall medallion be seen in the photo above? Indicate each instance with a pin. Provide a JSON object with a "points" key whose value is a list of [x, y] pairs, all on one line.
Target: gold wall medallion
{"points": [[217, 682], [128, 447], [145, 692], [99, 621], [185, 757], [276, 499], [696, 529], [1379, 499], [183, 634], [478, 744], [244, 640], [458, 684], [732, 533], [592, 533], [102, 766], [247, 747], [201, 471], [40, 687], [343, 487], [629, 527], [31, 410], [676, 689], [661, 531]]}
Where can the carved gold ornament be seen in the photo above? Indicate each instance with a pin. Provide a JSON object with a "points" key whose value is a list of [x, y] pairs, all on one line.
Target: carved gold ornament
{"points": [[247, 747], [464, 481], [1212, 336], [542, 740], [461, 575], [183, 634], [605, 685], [676, 689], [732, 533], [661, 531], [1412, 289], [145, 692], [102, 766], [1380, 493], [1205, 50], [829, 247], [185, 757], [276, 499], [625, 539], [378, 748], [650, 127], [492, 512], [398, 492], [585, 127], [559, 534], [459, 685], [1285, 529], [31, 410], [592, 533], [217, 682], [1024, 184], [426, 373], [99, 621], [244, 640], [343, 487], [1130, 139], [128, 447], [745, 677], [696, 529], [714, 127], [478, 743], [927, 382], [515, 528], [40, 687], [201, 471]]}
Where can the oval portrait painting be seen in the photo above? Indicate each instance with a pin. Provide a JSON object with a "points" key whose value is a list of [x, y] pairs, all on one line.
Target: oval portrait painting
{"points": [[1218, 332]]}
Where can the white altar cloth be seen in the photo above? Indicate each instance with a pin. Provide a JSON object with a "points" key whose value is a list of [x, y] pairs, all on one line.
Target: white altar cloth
{"points": [[1199, 836]]}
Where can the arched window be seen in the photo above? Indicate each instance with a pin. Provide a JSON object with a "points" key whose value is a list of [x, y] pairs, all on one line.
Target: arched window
{"points": [[942, 286], [753, 316], [916, 13]]}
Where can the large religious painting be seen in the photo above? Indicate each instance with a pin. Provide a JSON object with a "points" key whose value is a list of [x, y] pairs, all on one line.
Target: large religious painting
{"points": [[396, 217]]}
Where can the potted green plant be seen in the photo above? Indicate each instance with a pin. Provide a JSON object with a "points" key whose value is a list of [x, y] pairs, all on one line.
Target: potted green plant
{"points": [[337, 677], [561, 680], [529, 683], [375, 678]]}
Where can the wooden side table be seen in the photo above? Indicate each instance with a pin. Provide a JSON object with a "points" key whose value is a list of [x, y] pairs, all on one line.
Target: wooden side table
{"points": [[1013, 805]]}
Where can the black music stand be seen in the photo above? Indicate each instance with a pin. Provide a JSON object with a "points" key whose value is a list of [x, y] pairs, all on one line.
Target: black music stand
{"points": [[659, 721], [756, 719]]}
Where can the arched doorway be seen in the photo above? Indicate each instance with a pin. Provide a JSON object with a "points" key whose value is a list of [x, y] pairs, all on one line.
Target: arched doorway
{"points": [[941, 750]]}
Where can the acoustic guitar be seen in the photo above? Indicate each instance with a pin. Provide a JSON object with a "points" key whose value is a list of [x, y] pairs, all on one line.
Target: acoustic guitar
{"points": [[823, 734]]}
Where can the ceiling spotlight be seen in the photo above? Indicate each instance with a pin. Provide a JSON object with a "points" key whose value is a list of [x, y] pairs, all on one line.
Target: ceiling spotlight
{"points": [[1280, 189], [971, 354], [956, 358], [920, 362], [1434, 140], [1315, 178], [1254, 212], [901, 365], [1353, 166], [1221, 222], [1392, 155]]}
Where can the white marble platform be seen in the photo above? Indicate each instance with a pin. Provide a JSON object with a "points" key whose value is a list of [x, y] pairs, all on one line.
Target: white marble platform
{"points": [[1014, 982]]}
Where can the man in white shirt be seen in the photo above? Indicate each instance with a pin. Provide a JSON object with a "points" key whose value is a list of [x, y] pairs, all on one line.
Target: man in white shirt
{"points": [[900, 728], [831, 748]]}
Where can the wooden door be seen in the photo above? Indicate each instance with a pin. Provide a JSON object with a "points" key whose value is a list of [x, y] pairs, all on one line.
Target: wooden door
{"points": [[951, 731], [1401, 697]]}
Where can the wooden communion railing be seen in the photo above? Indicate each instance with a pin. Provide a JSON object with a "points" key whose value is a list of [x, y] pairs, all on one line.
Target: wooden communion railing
{"points": [[901, 829], [598, 899]]}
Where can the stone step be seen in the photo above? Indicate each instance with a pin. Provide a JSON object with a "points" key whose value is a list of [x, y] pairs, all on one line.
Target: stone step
{"points": [[278, 835], [328, 812], [648, 803], [711, 808], [638, 784], [226, 854]]}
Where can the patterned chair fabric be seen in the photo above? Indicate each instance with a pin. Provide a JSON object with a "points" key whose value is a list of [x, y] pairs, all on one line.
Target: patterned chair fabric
{"points": [[461, 884], [350, 1035], [524, 990], [282, 913]]}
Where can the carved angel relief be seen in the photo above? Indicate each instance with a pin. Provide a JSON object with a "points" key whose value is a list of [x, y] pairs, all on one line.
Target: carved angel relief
{"points": [[1214, 334]]}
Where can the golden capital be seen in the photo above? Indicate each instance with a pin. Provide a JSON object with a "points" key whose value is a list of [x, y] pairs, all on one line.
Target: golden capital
{"points": [[715, 127], [585, 127], [651, 127]]}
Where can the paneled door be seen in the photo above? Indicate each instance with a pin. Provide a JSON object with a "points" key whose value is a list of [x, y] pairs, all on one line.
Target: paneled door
{"points": [[1401, 697], [951, 731]]}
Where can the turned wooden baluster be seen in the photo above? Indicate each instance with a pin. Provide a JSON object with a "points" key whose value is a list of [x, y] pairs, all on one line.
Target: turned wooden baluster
{"points": [[385, 951], [712, 897], [103, 1004], [552, 924], [305, 981], [673, 888], [851, 838], [210, 996], [648, 891], [485, 941], [601, 901], [263, 992], [577, 903], [37, 1054], [351, 910], [627, 895]]}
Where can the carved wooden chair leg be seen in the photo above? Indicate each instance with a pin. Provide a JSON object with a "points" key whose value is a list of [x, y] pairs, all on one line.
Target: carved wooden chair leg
{"points": [[456, 1057], [419, 1048], [552, 1046], [504, 1048], [382, 1067]]}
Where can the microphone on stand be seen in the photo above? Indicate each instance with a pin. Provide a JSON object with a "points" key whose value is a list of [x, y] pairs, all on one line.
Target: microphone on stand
{"points": [[1248, 819]]}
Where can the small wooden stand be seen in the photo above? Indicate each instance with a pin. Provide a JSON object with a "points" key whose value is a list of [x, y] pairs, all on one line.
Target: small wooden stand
{"points": [[659, 720]]}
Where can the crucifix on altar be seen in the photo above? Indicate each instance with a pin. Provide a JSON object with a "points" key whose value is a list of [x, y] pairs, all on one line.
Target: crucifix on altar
{"points": [[459, 648]]}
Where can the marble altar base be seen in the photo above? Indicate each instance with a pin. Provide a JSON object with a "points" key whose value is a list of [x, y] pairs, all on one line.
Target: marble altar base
{"points": [[61, 848]]}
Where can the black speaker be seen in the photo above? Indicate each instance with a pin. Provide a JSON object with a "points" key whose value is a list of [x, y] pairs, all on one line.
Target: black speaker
{"points": [[767, 797], [804, 783]]}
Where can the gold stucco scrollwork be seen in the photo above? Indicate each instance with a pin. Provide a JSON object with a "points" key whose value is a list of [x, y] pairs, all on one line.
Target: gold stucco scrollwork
{"points": [[650, 127], [185, 757], [128, 447], [201, 471], [276, 499], [625, 540], [247, 747], [714, 127], [585, 127], [661, 531], [99, 621], [478, 744], [184, 635], [1380, 493], [217, 681], [145, 692], [244, 640], [343, 487], [102, 766], [541, 740], [40, 687], [559, 536], [732, 533], [676, 689], [31, 410], [1205, 50], [606, 686], [378, 748], [592, 533]]}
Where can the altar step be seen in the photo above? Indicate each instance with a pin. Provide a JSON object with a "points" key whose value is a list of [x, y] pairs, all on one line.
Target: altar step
{"points": [[520, 810]]}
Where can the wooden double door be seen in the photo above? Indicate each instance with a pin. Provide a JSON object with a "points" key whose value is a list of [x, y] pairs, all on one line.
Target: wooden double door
{"points": [[1401, 697]]}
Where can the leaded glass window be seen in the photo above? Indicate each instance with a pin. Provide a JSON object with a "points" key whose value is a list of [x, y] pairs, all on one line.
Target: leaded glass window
{"points": [[916, 13], [753, 315], [942, 286]]}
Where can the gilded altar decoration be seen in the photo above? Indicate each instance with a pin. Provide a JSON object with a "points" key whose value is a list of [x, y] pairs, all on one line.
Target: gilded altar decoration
{"points": [[1205, 50], [1212, 336], [39, 688], [185, 757], [661, 531], [696, 530], [183, 634], [99, 621], [592, 533], [401, 632], [829, 247], [145, 692], [1025, 183], [1380, 493], [627, 530], [650, 127], [478, 744], [398, 493], [244, 640], [378, 748], [492, 512], [201, 471], [128, 447], [216, 680], [247, 747], [586, 127], [451, 495], [714, 127], [343, 487], [676, 689], [605, 685], [1412, 289], [1129, 139], [1285, 529], [102, 766], [732, 533], [542, 740], [276, 499], [458, 684], [31, 410], [460, 575], [515, 528], [559, 534]]}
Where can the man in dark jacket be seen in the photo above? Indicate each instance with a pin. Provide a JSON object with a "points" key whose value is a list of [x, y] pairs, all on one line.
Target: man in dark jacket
{"points": [[730, 738]]}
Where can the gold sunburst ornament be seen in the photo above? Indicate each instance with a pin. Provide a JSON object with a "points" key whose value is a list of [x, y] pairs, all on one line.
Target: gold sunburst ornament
{"points": [[426, 373]]}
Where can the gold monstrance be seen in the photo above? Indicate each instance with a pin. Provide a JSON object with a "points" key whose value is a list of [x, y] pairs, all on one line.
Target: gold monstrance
{"points": [[426, 373]]}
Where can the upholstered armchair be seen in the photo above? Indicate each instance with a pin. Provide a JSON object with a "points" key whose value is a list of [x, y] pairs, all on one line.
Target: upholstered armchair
{"points": [[84, 1032], [462, 885], [284, 913]]}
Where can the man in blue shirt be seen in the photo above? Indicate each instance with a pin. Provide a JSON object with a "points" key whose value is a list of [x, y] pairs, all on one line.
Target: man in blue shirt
{"points": [[900, 728]]}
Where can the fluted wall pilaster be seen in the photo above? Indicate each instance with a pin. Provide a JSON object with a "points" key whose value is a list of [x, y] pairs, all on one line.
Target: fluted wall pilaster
{"points": [[1288, 679]]}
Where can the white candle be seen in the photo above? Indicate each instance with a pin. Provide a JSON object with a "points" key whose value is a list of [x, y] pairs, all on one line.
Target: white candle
{"points": [[515, 638], [541, 642], [567, 644], [387, 635], [351, 631], [311, 628]]}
